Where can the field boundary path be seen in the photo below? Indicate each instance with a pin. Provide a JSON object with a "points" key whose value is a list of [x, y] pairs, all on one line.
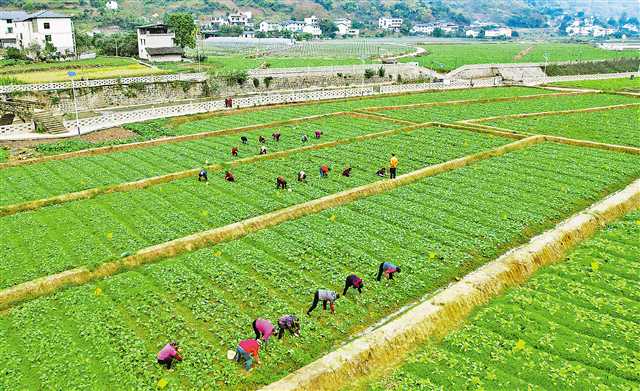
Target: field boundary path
{"points": [[78, 276], [435, 317]]}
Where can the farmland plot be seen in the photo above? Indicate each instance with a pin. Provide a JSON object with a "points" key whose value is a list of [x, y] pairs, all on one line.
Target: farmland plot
{"points": [[491, 109], [622, 84], [188, 125], [621, 126], [574, 325], [107, 226], [437, 229], [57, 177]]}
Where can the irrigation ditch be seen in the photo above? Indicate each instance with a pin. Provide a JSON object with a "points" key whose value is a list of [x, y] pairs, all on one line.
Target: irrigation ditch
{"points": [[81, 275], [433, 318]]}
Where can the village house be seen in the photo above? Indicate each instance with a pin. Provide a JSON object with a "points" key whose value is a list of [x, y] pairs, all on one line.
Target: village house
{"points": [[157, 44], [266, 26], [40, 28], [390, 23], [8, 27]]}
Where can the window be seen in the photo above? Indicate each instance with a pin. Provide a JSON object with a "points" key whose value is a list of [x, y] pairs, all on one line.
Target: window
{"points": [[9, 21], [47, 38], [47, 26], [9, 30]]}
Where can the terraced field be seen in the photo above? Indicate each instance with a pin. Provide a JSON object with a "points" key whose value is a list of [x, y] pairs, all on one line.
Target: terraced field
{"points": [[623, 84], [621, 126], [105, 333], [574, 325]]}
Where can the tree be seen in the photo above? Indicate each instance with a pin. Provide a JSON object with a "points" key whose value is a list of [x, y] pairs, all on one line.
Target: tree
{"points": [[49, 51], [121, 44], [84, 41], [184, 28], [14, 54], [438, 32], [328, 28]]}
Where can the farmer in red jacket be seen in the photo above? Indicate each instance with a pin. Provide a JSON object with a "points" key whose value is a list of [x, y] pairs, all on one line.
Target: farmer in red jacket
{"points": [[353, 281], [387, 269], [234, 151], [169, 353], [263, 329], [248, 351]]}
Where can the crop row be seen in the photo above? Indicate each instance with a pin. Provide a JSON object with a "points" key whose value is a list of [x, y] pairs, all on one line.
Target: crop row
{"points": [[621, 126], [491, 109], [574, 325], [103, 228], [188, 125], [29, 182], [622, 84], [437, 229]]}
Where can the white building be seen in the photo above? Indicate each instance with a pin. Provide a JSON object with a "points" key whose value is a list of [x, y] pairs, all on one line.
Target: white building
{"points": [[8, 27], [240, 19], [313, 30], [294, 26], [267, 27], [312, 21], [472, 33], [112, 5], [42, 27], [344, 28], [390, 23], [498, 33], [157, 43], [422, 28]]}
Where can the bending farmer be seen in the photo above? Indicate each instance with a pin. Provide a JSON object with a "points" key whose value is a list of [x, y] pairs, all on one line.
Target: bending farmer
{"points": [[388, 269], [169, 353], [248, 351], [281, 183], [326, 296], [288, 322], [202, 176], [353, 281], [263, 329]]}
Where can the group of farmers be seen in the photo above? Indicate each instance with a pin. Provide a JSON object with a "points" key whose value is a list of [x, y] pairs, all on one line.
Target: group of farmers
{"points": [[281, 182], [248, 350]]}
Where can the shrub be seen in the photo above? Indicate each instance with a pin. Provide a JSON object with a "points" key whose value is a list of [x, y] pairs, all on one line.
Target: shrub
{"points": [[369, 73], [267, 81], [381, 71], [256, 82]]}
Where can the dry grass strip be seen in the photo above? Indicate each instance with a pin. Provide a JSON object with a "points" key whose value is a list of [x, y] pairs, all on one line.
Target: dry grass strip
{"points": [[570, 89], [556, 139], [550, 113], [82, 275], [437, 316], [165, 140], [469, 101], [147, 182]]}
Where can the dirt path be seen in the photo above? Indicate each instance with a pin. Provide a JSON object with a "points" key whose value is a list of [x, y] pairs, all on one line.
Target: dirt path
{"points": [[523, 53]]}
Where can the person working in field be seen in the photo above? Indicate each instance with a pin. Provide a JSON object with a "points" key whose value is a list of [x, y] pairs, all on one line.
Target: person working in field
{"points": [[228, 176], [304, 138], [244, 140], [326, 296], [281, 183], [247, 350], [262, 140], [202, 176], [234, 151], [387, 269], [393, 166], [263, 329], [263, 150], [302, 176], [168, 354], [318, 133], [324, 170], [288, 322], [276, 136], [381, 172], [353, 281], [346, 172]]}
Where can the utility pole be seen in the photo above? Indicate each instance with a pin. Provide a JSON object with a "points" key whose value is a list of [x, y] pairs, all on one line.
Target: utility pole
{"points": [[72, 74]]}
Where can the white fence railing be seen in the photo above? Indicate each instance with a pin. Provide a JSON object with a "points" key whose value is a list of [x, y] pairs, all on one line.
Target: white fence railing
{"points": [[407, 68], [65, 85], [26, 127], [600, 76]]}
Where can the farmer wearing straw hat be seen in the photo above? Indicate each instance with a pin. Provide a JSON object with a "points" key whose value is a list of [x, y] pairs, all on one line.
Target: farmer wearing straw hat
{"points": [[263, 150], [302, 176], [247, 350], [169, 353], [304, 138], [262, 140], [353, 281], [276, 136], [326, 296], [263, 329], [288, 322], [387, 269]]}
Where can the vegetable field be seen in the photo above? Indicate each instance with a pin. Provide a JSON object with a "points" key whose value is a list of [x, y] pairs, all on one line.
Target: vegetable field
{"points": [[624, 85], [574, 325], [105, 333], [621, 126]]}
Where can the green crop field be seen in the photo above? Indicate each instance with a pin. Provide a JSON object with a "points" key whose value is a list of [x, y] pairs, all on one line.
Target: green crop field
{"points": [[207, 298], [491, 109], [446, 57], [574, 325], [105, 333], [623, 84], [620, 126]]}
